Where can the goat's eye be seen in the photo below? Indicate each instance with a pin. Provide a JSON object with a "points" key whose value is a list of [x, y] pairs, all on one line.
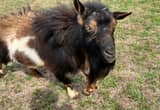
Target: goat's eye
{"points": [[105, 29], [94, 13], [88, 28], [91, 26]]}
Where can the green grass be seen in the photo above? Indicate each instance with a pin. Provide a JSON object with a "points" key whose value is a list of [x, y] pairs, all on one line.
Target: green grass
{"points": [[43, 99], [134, 92], [109, 82], [134, 83], [113, 105]]}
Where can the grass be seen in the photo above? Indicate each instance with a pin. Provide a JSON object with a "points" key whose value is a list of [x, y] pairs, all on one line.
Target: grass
{"points": [[134, 92], [134, 84], [109, 82]]}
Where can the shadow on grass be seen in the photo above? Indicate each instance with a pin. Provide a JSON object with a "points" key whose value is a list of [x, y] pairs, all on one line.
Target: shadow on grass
{"points": [[46, 99]]}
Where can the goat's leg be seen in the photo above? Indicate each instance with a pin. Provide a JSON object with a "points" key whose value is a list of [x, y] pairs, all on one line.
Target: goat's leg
{"points": [[91, 86], [34, 72], [1, 71], [4, 58], [68, 84]]}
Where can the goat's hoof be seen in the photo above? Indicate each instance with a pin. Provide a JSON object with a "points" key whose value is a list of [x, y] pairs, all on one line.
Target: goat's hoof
{"points": [[86, 92], [73, 94], [90, 89], [2, 74]]}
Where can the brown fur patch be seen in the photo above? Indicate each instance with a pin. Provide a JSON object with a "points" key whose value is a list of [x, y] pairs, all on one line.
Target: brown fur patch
{"points": [[34, 72], [80, 20], [91, 87], [31, 43], [19, 23]]}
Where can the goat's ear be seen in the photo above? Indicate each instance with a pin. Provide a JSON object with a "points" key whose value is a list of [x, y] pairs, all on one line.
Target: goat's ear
{"points": [[121, 15], [79, 7]]}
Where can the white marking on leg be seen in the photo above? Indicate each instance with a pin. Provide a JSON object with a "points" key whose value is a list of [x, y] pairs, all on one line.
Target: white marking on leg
{"points": [[1, 71], [72, 93], [21, 46]]}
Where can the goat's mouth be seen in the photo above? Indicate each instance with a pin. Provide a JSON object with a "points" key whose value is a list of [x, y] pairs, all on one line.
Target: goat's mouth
{"points": [[109, 57]]}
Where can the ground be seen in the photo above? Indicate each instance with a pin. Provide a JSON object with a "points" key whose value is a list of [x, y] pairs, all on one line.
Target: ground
{"points": [[134, 84]]}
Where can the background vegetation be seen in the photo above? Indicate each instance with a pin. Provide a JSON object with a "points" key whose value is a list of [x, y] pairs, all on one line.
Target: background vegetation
{"points": [[134, 84]]}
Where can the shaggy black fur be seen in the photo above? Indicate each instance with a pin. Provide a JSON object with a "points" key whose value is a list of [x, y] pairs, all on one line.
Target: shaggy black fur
{"points": [[62, 44], [4, 58], [66, 39]]}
